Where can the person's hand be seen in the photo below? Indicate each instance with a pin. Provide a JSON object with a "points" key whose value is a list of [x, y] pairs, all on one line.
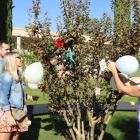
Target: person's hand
{"points": [[35, 98], [11, 121], [111, 66]]}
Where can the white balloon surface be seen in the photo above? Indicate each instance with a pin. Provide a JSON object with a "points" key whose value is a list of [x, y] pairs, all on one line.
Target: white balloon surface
{"points": [[127, 64], [34, 73], [34, 86], [112, 81]]}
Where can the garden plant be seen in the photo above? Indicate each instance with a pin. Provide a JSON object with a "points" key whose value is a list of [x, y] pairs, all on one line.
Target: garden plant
{"points": [[74, 89]]}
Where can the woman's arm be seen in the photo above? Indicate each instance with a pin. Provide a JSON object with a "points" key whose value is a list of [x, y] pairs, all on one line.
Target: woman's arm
{"points": [[6, 82], [32, 98], [129, 90], [28, 97], [10, 118]]}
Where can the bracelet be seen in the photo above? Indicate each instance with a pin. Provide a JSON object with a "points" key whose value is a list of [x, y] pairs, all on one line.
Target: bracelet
{"points": [[29, 97]]}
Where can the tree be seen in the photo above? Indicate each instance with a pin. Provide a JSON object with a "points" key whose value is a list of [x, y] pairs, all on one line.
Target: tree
{"points": [[92, 24], [29, 26], [122, 15], [6, 20], [70, 90]]}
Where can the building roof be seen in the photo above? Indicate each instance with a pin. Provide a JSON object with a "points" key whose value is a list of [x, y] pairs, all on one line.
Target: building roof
{"points": [[23, 33]]}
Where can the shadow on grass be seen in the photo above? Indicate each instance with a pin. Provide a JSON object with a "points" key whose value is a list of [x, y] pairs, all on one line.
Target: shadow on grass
{"points": [[128, 127], [33, 132], [56, 123], [98, 128], [125, 126], [52, 122], [106, 136], [59, 125]]}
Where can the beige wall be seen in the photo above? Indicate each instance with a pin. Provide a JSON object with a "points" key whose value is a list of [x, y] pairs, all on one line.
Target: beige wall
{"points": [[20, 35]]}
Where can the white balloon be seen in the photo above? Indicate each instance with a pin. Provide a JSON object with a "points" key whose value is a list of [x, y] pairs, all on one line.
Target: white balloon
{"points": [[34, 73], [34, 86], [127, 64], [112, 81]]}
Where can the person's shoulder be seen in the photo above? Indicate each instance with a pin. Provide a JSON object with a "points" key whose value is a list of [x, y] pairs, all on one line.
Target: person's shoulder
{"points": [[6, 76]]}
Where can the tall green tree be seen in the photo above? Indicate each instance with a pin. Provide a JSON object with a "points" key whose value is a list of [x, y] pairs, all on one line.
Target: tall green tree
{"points": [[90, 26], [6, 20], [122, 15]]}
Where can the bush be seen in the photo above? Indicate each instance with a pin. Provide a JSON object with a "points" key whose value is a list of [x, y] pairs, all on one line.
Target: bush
{"points": [[74, 85]]}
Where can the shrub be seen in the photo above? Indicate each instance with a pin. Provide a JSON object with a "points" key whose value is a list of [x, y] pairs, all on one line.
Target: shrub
{"points": [[77, 89]]}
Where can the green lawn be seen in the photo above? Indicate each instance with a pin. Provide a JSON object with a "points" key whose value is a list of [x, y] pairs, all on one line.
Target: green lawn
{"points": [[122, 126], [136, 74], [43, 97]]}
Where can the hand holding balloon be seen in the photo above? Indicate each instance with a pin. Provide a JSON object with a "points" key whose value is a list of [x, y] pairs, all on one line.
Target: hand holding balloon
{"points": [[111, 66], [127, 64]]}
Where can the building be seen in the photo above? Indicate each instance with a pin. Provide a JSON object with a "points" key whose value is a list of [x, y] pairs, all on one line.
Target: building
{"points": [[20, 36]]}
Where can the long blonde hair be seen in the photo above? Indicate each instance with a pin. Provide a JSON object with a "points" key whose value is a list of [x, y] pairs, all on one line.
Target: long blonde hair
{"points": [[9, 65]]}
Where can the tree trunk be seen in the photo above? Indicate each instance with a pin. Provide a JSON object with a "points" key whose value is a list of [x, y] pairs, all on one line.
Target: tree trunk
{"points": [[78, 126], [72, 134], [78, 119], [92, 132], [105, 122]]}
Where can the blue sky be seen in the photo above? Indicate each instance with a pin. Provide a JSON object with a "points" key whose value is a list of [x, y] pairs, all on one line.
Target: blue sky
{"points": [[20, 15]]}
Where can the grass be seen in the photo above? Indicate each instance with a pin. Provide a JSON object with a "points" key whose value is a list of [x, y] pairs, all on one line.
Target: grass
{"points": [[46, 127], [42, 96], [136, 74], [122, 126]]}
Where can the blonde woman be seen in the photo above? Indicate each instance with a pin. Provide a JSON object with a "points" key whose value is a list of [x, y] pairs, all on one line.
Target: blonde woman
{"points": [[12, 95]]}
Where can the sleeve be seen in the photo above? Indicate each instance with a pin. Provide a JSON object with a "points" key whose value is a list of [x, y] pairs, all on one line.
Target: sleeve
{"points": [[6, 82], [139, 86]]}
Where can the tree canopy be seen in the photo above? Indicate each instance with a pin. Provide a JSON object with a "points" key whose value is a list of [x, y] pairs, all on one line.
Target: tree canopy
{"points": [[6, 20], [91, 25]]}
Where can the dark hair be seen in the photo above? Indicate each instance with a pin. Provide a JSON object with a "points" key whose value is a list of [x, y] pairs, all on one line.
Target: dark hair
{"points": [[1, 42]]}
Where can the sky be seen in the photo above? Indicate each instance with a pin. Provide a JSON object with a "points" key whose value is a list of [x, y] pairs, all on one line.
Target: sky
{"points": [[20, 16]]}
